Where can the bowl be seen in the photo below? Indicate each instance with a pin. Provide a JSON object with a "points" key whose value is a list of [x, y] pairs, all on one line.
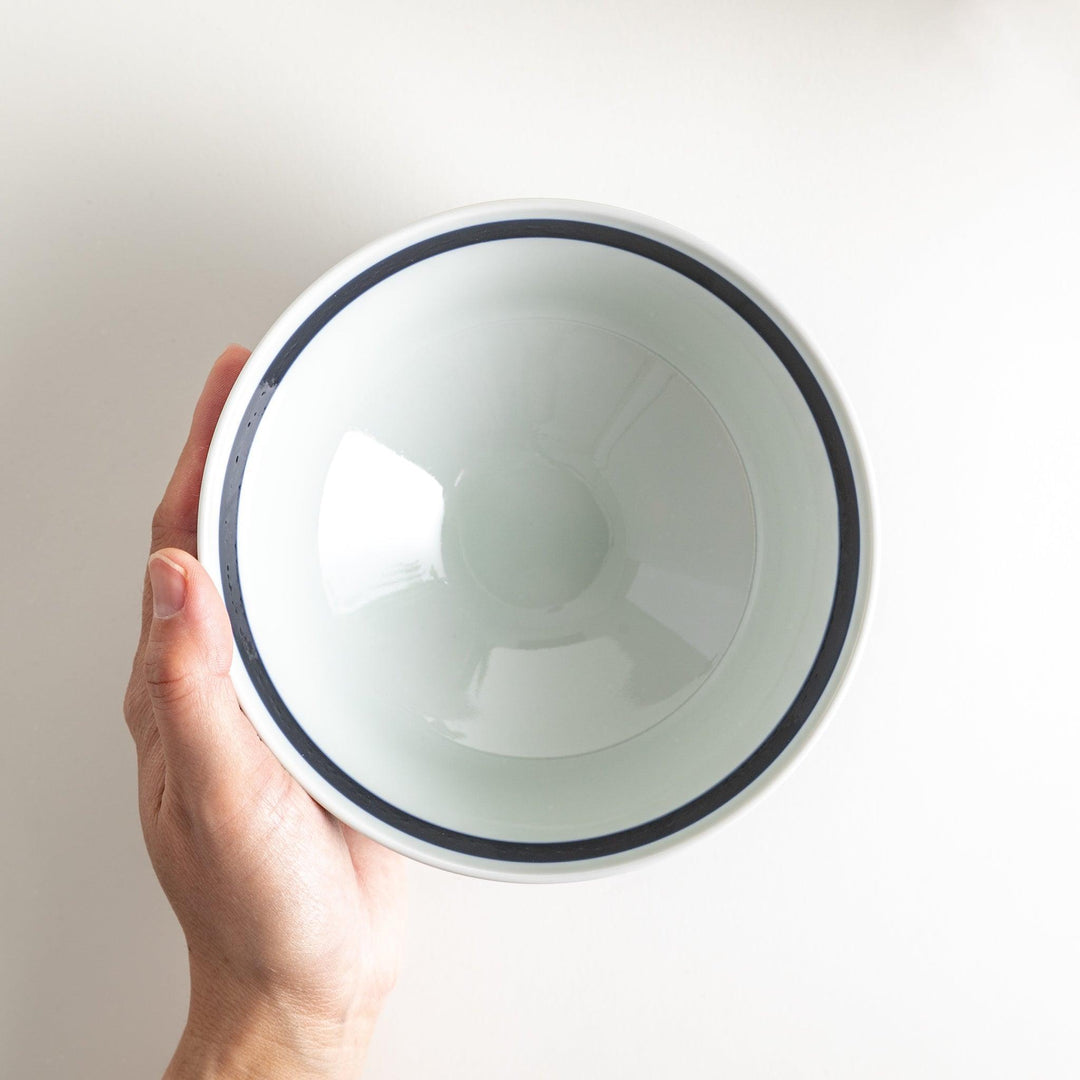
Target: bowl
{"points": [[545, 538]]}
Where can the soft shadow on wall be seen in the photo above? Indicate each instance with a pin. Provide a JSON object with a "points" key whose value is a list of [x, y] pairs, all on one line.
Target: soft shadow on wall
{"points": [[137, 254]]}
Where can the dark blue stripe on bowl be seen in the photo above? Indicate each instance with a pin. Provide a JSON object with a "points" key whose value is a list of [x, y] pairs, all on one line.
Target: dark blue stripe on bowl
{"points": [[832, 641]]}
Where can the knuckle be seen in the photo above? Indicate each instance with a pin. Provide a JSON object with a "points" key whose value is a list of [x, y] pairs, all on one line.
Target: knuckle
{"points": [[168, 680]]}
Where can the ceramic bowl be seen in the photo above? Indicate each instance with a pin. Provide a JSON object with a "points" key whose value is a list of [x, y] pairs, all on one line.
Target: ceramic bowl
{"points": [[544, 534]]}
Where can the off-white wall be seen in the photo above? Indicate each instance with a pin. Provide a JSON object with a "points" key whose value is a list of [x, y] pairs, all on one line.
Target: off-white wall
{"points": [[902, 174]]}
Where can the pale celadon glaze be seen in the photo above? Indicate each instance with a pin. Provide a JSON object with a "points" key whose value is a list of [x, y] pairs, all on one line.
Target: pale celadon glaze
{"points": [[537, 539]]}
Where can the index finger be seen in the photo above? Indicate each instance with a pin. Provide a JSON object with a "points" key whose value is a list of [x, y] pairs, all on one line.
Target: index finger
{"points": [[176, 519]]}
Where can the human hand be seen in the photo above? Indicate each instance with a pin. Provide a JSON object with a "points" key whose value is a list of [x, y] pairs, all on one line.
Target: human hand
{"points": [[292, 919]]}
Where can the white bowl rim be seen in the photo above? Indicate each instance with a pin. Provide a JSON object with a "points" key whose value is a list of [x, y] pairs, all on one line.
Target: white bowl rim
{"points": [[519, 860]]}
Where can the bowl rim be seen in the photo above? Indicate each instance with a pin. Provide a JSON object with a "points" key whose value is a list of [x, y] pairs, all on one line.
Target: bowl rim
{"points": [[393, 826]]}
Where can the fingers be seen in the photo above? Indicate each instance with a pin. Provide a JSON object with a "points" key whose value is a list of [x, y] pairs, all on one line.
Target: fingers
{"points": [[176, 519], [207, 740]]}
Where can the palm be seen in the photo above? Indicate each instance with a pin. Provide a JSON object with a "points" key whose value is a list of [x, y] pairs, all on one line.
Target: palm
{"points": [[281, 887]]}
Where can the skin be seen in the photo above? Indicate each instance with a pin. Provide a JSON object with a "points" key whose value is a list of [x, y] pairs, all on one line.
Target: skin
{"points": [[292, 920]]}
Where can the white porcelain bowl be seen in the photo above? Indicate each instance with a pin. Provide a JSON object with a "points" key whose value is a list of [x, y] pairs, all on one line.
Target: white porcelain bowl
{"points": [[544, 535]]}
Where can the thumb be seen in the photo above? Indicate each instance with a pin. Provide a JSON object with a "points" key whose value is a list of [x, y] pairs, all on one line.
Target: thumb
{"points": [[206, 737]]}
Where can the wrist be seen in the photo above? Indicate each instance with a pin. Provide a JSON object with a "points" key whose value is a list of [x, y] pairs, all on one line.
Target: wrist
{"points": [[235, 1033]]}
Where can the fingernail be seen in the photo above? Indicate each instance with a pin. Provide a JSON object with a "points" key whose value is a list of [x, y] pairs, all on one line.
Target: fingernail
{"points": [[168, 582]]}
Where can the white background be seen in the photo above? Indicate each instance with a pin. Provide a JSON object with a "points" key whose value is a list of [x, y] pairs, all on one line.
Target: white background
{"points": [[903, 176]]}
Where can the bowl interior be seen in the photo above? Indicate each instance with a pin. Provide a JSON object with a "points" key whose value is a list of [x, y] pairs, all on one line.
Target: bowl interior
{"points": [[537, 539]]}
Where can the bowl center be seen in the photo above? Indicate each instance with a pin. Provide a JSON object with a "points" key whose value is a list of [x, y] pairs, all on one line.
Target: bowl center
{"points": [[539, 544], [531, 532]]}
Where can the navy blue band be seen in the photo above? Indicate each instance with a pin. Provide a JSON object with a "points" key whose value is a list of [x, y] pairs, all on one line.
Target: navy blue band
{"points": [[832, 641]]}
